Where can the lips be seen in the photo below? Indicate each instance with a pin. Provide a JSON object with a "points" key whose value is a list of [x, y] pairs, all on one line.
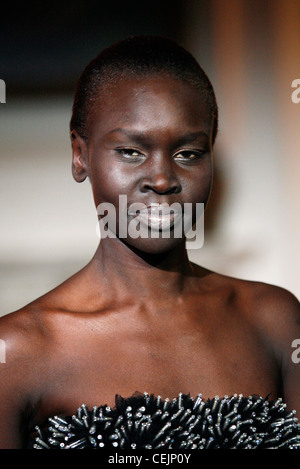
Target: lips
{"points": [[157, 216]]}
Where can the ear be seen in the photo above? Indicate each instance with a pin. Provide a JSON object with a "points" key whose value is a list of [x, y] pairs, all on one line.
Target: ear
{"points": [[80, 160]]}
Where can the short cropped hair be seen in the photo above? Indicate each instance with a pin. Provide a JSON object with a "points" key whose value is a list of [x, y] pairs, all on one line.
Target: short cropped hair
{"points": [[138, 56]]}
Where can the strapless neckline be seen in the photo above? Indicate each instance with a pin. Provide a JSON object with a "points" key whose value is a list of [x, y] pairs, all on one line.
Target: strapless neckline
{"points": [[146, 421]]}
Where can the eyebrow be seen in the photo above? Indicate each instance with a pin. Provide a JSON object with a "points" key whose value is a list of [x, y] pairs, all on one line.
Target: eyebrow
{"points": [[141, 137]]}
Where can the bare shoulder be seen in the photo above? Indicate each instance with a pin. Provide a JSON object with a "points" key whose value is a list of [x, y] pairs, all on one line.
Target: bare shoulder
{"points": [[271, 306], [24, 326], [35, 329], [277, 319], [29, 338], [278, 316], [23, 369], [258, 297], [24, 337], [273, 311]]}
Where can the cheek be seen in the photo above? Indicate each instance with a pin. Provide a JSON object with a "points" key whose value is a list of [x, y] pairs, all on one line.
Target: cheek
{"points": [[207, 182], [107, 182], [200, 184]]}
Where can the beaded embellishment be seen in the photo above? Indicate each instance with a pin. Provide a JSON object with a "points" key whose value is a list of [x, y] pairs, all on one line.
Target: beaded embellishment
{"points": [[144, 421]]}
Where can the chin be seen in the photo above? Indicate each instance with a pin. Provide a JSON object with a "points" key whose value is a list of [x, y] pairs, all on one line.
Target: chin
{"points": [[154, 245]]}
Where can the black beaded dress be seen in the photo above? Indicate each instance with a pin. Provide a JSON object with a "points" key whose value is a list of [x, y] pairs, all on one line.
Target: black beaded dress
{"points": [[145, 421]]}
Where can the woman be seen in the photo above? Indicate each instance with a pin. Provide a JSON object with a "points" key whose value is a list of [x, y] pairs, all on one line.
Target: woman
{"points": [[140, 316]]}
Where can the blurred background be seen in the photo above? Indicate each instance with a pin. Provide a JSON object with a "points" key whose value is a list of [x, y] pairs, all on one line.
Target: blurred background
{"points": [[250, 50]]}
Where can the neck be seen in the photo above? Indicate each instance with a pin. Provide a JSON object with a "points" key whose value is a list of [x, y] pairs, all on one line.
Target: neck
{"points": [[126, 270]]}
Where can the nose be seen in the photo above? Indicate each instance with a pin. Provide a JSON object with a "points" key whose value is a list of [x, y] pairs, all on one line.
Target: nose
{"points": [[161, 178]]}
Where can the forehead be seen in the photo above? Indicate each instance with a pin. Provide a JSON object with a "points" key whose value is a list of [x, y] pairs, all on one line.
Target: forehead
{"points": [[149, 102]]}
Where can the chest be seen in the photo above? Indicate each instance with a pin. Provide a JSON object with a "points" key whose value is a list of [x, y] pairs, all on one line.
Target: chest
{"points": [[165, 358]]}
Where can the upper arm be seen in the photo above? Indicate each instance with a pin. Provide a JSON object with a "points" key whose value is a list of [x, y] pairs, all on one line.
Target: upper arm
{"points": [[290, 365], [11, 436], [280, 316], [16, 382]]}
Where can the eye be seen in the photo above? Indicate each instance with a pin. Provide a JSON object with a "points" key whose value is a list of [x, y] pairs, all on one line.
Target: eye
{"points": [[129, 153], [189, 155]]}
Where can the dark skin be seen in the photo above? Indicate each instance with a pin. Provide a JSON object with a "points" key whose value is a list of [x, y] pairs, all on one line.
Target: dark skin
{"points": [[140, 316]]}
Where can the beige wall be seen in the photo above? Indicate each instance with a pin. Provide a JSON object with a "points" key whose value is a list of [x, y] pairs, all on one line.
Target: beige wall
{"points": [[48, 224]]}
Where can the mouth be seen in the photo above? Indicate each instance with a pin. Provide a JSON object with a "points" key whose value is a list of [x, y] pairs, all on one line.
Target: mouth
{"points": [[157, 216]]}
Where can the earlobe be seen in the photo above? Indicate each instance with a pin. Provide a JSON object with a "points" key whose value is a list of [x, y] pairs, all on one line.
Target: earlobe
{"points": [[80, 161]]}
